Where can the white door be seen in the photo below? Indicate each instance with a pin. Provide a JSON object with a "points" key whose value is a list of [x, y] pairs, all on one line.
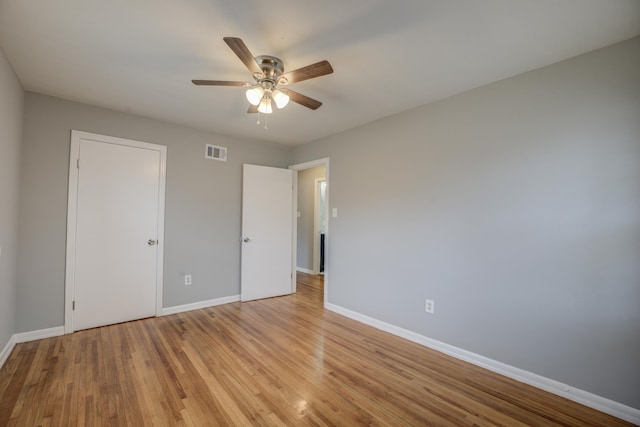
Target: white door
{"points": [[118, 210], [267, 230]]}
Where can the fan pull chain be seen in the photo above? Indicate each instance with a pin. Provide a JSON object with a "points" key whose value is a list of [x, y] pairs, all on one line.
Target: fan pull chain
{"points": [[266, 119]]}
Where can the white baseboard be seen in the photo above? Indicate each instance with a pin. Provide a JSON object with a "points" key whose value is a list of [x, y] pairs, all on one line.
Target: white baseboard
{"points": [[591, 400], [59, 330], [200, 304], [39, 334], [304, 270], [28, 336], [6, 351]]}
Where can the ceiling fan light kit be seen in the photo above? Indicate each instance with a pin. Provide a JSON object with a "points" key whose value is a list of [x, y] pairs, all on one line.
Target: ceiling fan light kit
{"points": [[268, 73], [255, 94], [265, 105], [281, 98]]}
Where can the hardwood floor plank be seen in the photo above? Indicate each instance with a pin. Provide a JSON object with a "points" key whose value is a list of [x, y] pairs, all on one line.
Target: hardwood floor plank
{"points": [[275, 362]]}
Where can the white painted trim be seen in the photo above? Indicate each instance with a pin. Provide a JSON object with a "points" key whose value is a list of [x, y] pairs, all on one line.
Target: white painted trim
{"points": [[294, 233], [311, 164], [200, 304], [74, 153], [26, 337], [6, 351], [294, 230], [70, 268], [39, 334], [304, 270], [160, 231], [298, 167], [586, 398]]}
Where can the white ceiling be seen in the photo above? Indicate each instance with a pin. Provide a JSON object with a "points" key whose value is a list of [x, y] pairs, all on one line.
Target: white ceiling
{"points": [[388, 56]]}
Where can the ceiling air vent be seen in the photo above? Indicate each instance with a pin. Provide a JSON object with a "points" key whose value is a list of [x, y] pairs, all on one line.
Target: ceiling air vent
{"points": [[215, 152]]}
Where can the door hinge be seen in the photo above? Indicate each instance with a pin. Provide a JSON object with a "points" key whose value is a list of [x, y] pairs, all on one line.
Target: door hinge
{"points": [[78, 163], [73, 305]]}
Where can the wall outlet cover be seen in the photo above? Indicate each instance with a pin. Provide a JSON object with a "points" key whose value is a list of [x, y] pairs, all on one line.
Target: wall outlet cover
{"points": [[429, 306]]}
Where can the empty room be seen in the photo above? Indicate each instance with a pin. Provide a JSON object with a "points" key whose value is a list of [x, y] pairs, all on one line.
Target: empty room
{"points": [[409, 213]]}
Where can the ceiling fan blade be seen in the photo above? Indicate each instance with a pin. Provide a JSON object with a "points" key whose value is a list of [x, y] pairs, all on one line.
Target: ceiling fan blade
{"points": [[303, 100], [252, 109], [318, 69], [217, 83], [242, 51]]}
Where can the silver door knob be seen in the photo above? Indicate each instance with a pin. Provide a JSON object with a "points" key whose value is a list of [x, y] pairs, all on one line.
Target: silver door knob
{"points": [[246, 240], [151, 242]]}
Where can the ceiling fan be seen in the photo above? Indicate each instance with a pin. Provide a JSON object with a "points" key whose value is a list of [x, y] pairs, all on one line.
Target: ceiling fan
{"points": [[269, 76]]}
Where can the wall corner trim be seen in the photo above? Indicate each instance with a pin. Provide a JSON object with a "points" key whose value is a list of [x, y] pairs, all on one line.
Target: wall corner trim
{"points": [[198, 305], [28, 336], [304, 270], [6, 351], [586, 398]]}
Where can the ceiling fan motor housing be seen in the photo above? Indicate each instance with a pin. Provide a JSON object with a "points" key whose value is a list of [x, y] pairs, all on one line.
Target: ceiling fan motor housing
{"points": [[272, 68]]}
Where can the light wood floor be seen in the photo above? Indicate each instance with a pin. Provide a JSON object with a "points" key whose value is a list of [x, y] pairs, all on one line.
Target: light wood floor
{"points": [[280, 361]]}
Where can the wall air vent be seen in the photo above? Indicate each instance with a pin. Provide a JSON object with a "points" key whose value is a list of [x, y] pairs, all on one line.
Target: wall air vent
{"points": [[215, 152]]}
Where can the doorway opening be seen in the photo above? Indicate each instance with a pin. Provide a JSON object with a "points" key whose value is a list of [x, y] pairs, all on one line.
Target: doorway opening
{"points": [[311, 225], [319, 223]]}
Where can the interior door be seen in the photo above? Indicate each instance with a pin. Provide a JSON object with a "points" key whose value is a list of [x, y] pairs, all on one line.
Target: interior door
{"points": [[116, 236], [267, 230]]}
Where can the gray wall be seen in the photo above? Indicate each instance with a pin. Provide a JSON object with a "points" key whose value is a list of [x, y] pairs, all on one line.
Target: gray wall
{"points": [[516, 207], [11, 105], [202, 216], [306, 191]]}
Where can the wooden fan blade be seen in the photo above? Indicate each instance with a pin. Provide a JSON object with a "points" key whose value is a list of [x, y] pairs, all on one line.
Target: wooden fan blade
{"points": [[242, 51], [252, 109], [318, 69], [303, 100], [217, 83]]}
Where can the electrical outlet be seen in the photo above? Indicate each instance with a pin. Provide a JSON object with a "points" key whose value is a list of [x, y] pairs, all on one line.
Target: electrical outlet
{"points": [[187, 280], [429, 305]]}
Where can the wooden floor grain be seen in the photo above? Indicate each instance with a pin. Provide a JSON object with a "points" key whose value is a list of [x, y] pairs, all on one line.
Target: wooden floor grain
{"points": [[281, 361]]}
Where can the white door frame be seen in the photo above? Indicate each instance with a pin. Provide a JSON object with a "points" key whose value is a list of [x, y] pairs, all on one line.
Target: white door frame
{"points": [[298, 167], [69, 285]]}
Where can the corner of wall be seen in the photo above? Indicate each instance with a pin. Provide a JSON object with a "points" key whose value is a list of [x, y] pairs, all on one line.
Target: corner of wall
{"points": [[11, 122]]}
